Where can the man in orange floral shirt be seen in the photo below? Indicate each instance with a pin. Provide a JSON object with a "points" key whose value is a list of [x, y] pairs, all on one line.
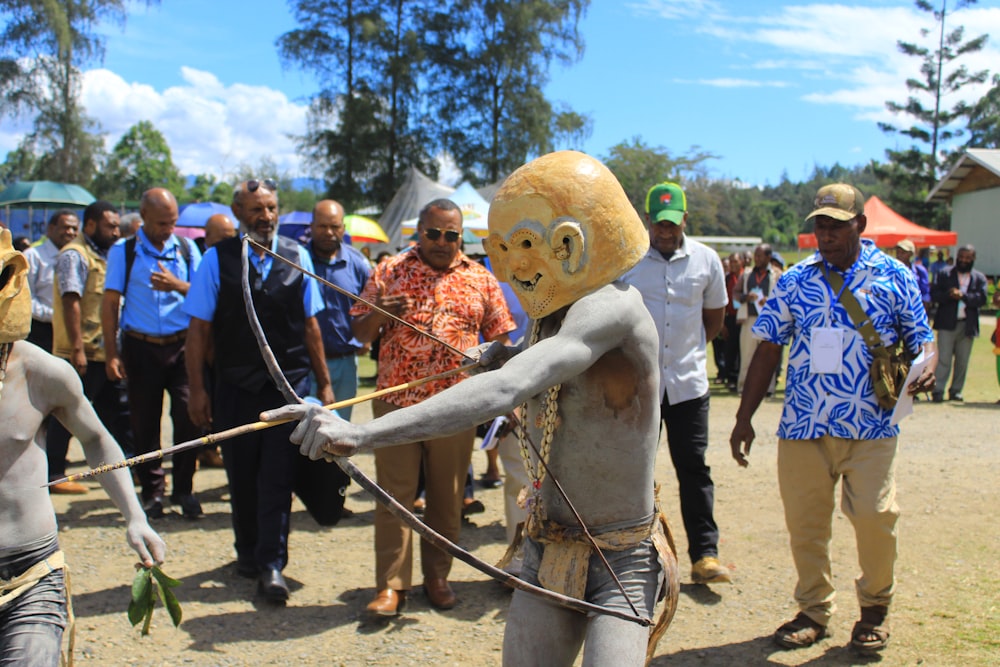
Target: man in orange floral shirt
{"points": [[439, 290]]}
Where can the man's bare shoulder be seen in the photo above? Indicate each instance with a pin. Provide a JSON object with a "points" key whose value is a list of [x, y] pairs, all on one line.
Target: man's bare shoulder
{"points": [[614, 301], [44, 370]]}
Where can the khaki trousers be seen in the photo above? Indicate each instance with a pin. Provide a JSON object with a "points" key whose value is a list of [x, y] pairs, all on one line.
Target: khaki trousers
{"points": [[445, 462], [808, 471], [748, 345]]}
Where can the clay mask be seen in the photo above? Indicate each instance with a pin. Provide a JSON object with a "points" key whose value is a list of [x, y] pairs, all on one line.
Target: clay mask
{"points": [[560, 227]]}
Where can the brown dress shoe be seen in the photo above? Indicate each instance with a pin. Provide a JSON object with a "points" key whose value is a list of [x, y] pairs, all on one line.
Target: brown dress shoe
{"points": [[68, 488], [439, 593], [387, 603]]}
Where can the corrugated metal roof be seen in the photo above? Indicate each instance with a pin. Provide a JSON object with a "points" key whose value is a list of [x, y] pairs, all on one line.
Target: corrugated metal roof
{"points": [[988, 158]]}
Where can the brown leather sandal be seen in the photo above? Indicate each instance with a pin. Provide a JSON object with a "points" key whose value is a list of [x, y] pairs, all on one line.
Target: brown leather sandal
{"points": [[871, 634], [800, 632]]}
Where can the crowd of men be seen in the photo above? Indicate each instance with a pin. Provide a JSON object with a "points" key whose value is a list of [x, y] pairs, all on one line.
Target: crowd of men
{"points": [[155, 312]]}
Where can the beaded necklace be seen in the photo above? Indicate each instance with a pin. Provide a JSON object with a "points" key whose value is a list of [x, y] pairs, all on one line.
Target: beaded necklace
{"points": [[548, 417], [4, 357]]}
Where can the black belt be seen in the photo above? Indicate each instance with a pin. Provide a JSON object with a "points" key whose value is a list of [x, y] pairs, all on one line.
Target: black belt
{"points": [[340, 355], [158, 340]]}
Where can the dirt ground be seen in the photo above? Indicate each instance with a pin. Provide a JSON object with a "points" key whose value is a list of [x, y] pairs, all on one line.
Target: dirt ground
{"points": [[947, 609]]}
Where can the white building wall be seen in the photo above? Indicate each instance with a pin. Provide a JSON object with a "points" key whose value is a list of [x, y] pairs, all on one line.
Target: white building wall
{"points": [[975, 216]]}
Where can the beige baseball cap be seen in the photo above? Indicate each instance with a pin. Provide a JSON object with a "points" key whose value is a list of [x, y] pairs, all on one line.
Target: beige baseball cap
{"points": [[839, 201], [907, 245]]}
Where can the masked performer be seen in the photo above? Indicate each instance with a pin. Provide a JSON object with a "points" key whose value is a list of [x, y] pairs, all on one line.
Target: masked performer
{"points": [[33, 385], [562, 232]]}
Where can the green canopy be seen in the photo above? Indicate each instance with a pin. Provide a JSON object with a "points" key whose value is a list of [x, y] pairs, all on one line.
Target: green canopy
{"points": [[45, 192]]}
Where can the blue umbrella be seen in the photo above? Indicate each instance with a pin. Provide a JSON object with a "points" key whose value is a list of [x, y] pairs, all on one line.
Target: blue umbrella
{"points": [[195, 215], [295, 218]]}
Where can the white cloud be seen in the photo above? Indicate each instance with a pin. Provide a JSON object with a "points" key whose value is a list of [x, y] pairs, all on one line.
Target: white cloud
{"points": [[736, 83], [835, 53], [672, 9], [210, 127]]}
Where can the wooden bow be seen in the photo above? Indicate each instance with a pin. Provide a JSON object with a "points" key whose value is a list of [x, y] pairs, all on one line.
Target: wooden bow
{"points": [[394, 507]]}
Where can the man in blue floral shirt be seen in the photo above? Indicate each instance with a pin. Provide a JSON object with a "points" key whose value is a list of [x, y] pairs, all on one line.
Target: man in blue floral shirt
{"points": [[832, 425]]}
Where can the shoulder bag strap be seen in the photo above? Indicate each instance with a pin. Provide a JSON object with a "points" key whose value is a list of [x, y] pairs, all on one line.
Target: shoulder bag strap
{"points": [[859, 317]]}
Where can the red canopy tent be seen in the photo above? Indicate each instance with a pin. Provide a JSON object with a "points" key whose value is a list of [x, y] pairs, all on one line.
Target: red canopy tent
{"points": [[887, 228]]}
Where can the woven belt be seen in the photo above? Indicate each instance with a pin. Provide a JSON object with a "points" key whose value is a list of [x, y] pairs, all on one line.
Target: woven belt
{"points": [[158, 340]]}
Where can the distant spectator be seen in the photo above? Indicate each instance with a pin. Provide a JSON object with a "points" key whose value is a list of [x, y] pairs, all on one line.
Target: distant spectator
{"points": [[905, 250], [129, 225], [938, 265], [62, 228], [959, 293], [21, 243], [217, 228], [755, 286]]}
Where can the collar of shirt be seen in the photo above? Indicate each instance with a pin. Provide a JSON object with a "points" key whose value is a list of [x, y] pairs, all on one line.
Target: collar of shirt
{"points": [[96, 248], [339, 256], [262, 264], [865, 257], [170, 246]]}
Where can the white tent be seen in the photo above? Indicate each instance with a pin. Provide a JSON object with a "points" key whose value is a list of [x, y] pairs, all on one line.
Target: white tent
{"points": [[475, 211], [417, 189]]}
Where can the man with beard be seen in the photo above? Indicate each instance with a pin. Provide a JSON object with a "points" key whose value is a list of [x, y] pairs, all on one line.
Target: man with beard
{"points": [[262, 469], [76, 328], [959, 292]]}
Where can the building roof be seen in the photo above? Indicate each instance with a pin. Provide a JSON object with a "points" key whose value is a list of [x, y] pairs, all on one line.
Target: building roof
{"points": [[977, 169]]}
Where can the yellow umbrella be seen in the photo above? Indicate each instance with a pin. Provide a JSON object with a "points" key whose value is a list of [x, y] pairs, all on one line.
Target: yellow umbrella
{"points": [[364, 230]]}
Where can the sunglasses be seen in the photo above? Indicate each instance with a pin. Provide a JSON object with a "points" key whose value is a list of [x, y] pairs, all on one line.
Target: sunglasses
{"points": [[253, 184], [433, 234]]}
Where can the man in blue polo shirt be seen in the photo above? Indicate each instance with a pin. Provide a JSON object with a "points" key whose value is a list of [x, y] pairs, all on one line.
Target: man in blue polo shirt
{"points": [[154, 270], [262, 468], [348, 269]]}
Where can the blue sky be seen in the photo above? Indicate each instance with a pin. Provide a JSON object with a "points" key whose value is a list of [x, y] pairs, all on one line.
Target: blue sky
{"points": [[772, 88]]}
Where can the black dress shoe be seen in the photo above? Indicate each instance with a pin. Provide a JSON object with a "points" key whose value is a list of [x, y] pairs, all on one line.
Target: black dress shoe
{"points": [[153, 508], [247, 570], [190, 506], [271, 586]]}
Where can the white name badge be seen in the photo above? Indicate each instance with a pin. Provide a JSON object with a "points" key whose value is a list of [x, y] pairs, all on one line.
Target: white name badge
{"points": [[826, 353]]}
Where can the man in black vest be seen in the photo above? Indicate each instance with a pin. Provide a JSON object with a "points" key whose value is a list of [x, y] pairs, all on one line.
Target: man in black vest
{"points": [[263, 469]]}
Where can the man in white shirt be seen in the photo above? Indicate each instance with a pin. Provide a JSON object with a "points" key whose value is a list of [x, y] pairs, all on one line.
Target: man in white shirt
{"points": [[683, 287], [63, 228]]}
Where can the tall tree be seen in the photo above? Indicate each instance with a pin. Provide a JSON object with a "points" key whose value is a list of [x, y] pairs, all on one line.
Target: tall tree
{"points": [[638, 167], [913, 172], [42, 47], [140, 160], [491, 58], [984, 119], [363, 126]]}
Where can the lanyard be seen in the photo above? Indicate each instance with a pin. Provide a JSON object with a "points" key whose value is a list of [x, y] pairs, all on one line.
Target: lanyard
{"points": [[835, 298]]}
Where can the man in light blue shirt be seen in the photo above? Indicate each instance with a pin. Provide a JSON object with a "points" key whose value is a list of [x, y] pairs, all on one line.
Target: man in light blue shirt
{"points": [[833, 426], [684, 289], [345, 267], [153, 269]]}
